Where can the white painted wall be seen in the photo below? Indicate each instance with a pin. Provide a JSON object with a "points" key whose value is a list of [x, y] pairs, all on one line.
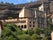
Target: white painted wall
{"points": [[41, 8], [26, 13], [21, 14], [35, 14]]}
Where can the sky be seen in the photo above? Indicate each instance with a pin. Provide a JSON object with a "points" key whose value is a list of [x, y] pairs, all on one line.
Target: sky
{"points": [[17, 1]]}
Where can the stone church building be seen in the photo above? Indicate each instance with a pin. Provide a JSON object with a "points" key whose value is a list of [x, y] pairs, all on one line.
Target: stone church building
{"points": [[29, 15]]}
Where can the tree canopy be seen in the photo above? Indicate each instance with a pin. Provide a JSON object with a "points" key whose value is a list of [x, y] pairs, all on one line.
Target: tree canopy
{"points": [[12, 32]]}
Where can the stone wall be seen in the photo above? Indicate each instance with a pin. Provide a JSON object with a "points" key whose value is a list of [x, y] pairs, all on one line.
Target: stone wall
{"points": [[52, 35]]}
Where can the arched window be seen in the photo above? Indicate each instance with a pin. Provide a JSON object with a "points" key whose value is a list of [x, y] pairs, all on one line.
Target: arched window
{"points": [[34, 22], [29, 25], [24, 26], [18, 26], [21, 26]]}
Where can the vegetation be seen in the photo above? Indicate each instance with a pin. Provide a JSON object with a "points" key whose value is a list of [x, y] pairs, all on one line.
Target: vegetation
{"points": [[6, 3], [12, 32]]}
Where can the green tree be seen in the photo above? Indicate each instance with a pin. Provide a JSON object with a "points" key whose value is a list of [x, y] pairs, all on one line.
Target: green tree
{"points": [[44, 38], [37, 30], [9, 38], [24, 37], [35, 37], [30, 32], [12, 32], [9, 31]]}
